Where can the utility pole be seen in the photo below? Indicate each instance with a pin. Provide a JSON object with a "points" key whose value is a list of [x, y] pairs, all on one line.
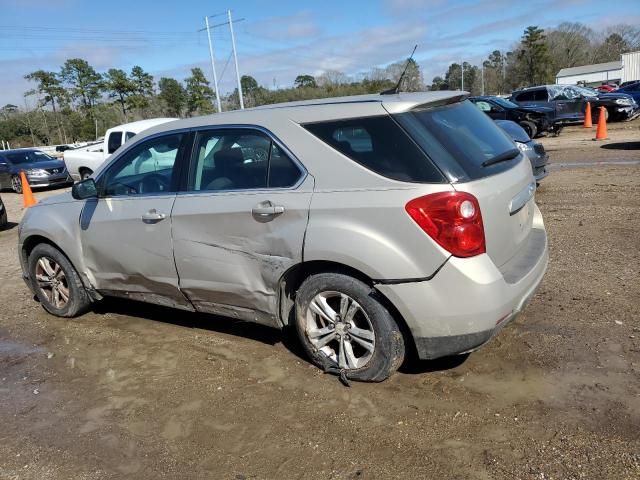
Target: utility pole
{"points": [[482, 76], [235, 59], [462, 75], [213, 65]]}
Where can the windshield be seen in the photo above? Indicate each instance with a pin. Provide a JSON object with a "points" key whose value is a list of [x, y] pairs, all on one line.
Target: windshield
{"points": [[459, 138], [504, 102], [29, 156]]}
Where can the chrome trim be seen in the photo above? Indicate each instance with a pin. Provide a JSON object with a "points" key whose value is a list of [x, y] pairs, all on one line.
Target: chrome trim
{"points": [[518, 202]]}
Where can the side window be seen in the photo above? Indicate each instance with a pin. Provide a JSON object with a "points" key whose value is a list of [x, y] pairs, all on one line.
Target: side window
{"points": [[541, 95], [114, 141], [146, 168], [525, 97], [283, 172], [380, 145], [240, 160]]}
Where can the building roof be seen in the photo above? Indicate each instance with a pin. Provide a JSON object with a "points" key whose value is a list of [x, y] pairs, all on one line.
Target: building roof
{"points": [[585, 69]]}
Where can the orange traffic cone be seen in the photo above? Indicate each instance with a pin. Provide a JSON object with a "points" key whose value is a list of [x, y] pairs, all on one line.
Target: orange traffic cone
{"points": [[601, 131], [587, 116], [27, 195]]}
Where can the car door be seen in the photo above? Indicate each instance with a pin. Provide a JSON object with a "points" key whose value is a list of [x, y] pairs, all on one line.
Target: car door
{"points": [[568, 103], [241, 223], [496, 111], [126, 231]]}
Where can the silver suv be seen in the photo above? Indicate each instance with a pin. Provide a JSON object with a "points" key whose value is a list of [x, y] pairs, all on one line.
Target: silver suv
{"points": [[376, 225]]}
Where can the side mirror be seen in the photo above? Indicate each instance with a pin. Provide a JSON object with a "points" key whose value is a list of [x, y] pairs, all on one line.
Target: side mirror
{"points": [[84, 189]]}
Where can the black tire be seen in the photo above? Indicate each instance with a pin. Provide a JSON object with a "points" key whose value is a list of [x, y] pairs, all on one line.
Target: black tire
{"points": [[78, 298], [3, 219], [85, 173], [16, 184], [530, 128], [388, 350]]}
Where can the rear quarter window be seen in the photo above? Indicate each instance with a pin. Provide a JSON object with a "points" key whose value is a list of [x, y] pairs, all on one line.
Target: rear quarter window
{"points": [[380, 145]]}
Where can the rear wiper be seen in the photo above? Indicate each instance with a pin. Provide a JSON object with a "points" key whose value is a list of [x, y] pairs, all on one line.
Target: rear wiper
{"points": [[503, 157]]}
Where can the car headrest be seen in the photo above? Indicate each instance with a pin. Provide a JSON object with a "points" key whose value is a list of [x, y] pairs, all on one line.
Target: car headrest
{"points": [[229, 157]]}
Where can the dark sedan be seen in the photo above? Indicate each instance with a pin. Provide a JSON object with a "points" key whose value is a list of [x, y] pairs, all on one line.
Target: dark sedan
{"points": [[533, 150], [534, 119], [41, 169]]}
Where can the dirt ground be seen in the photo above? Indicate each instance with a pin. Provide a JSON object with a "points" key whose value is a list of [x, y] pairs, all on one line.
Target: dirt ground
{"points": [[135, 391]]}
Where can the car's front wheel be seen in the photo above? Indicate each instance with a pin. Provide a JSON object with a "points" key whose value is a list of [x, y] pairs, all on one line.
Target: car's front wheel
{"points": [[56, 283], [530, 128], [16, 184], [342, 324]]}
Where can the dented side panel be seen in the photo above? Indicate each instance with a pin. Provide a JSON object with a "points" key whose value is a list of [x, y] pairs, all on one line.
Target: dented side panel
{"points": [[230, 259], [123, 253]]}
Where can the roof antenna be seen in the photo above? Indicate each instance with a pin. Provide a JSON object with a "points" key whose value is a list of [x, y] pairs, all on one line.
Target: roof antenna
{"points": [[396, 89]]}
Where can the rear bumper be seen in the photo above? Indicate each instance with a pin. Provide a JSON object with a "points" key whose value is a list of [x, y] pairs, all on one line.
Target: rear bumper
{"points": [[470, 299]]}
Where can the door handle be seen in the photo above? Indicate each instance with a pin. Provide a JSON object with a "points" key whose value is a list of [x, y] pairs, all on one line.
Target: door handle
{"points": [[267, 209], [152, 216]]}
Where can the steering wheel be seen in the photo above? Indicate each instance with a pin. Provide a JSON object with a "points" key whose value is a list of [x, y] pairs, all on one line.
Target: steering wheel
{"points": [[154, 183]]}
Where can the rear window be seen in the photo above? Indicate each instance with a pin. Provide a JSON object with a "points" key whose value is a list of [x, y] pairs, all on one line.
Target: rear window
{"points": [[380, 145], [459, 138], [114, 141]]}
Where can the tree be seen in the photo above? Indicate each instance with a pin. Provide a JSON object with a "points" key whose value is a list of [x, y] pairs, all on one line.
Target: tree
{"points": [[305, 81], [439, 83], [52, 92], [412, 81], [119, 85], [142, 88], [200, 96], [174, 96], [84, 82], [534, 56]]}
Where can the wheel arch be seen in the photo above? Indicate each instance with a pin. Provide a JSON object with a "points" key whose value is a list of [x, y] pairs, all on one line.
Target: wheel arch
{"points": [[292, 279]]}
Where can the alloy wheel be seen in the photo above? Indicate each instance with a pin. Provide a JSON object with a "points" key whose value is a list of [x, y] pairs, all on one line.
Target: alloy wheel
{"points": [[16, 184], [339, 327], [52, 282]]}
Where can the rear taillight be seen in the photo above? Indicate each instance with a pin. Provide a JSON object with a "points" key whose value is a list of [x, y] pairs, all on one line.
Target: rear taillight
{"points": [[452, 219]]}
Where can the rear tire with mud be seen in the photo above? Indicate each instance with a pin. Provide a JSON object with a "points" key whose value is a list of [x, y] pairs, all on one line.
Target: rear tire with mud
{"points": [[56, 283], [342, 325]]}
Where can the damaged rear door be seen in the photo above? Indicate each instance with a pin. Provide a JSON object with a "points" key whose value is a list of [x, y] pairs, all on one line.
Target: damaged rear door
{"points": [[240, 224]]}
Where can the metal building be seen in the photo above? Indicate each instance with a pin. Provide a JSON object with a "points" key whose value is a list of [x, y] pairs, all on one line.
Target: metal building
{"points": [[591, 75]]}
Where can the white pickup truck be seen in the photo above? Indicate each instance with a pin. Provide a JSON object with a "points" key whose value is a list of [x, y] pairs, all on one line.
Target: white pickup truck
{"points": [[82, 162]]}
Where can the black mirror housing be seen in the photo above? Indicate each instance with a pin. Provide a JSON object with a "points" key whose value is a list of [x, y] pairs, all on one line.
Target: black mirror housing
{"points": [[84, 189]]}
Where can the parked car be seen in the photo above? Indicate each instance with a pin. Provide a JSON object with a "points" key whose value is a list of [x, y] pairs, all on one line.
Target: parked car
{"points": [[82, 162], [3, 215], [606, 88], [632, 89], [533, 150], [41, 169], [534, 119], [374, 224], [569, 102]]}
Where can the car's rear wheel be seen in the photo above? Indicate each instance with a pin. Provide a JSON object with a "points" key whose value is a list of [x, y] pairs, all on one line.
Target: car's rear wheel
{"points": [[342, 324], [16, 184], [530, 128], [56, 283]]}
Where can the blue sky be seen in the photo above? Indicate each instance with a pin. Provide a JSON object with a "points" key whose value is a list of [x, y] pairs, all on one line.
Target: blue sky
{"points": [[276, 40]]}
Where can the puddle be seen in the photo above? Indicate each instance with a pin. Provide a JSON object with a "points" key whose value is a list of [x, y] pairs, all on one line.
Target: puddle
{"points": [[8, 347]]}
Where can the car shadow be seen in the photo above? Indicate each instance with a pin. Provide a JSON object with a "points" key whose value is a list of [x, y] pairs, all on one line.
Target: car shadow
{"points": [[8, 226], [252, 331], [621, 146]]}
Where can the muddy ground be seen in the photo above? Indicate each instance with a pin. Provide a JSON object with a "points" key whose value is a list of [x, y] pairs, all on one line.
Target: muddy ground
{"points": [[135, 391]]}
